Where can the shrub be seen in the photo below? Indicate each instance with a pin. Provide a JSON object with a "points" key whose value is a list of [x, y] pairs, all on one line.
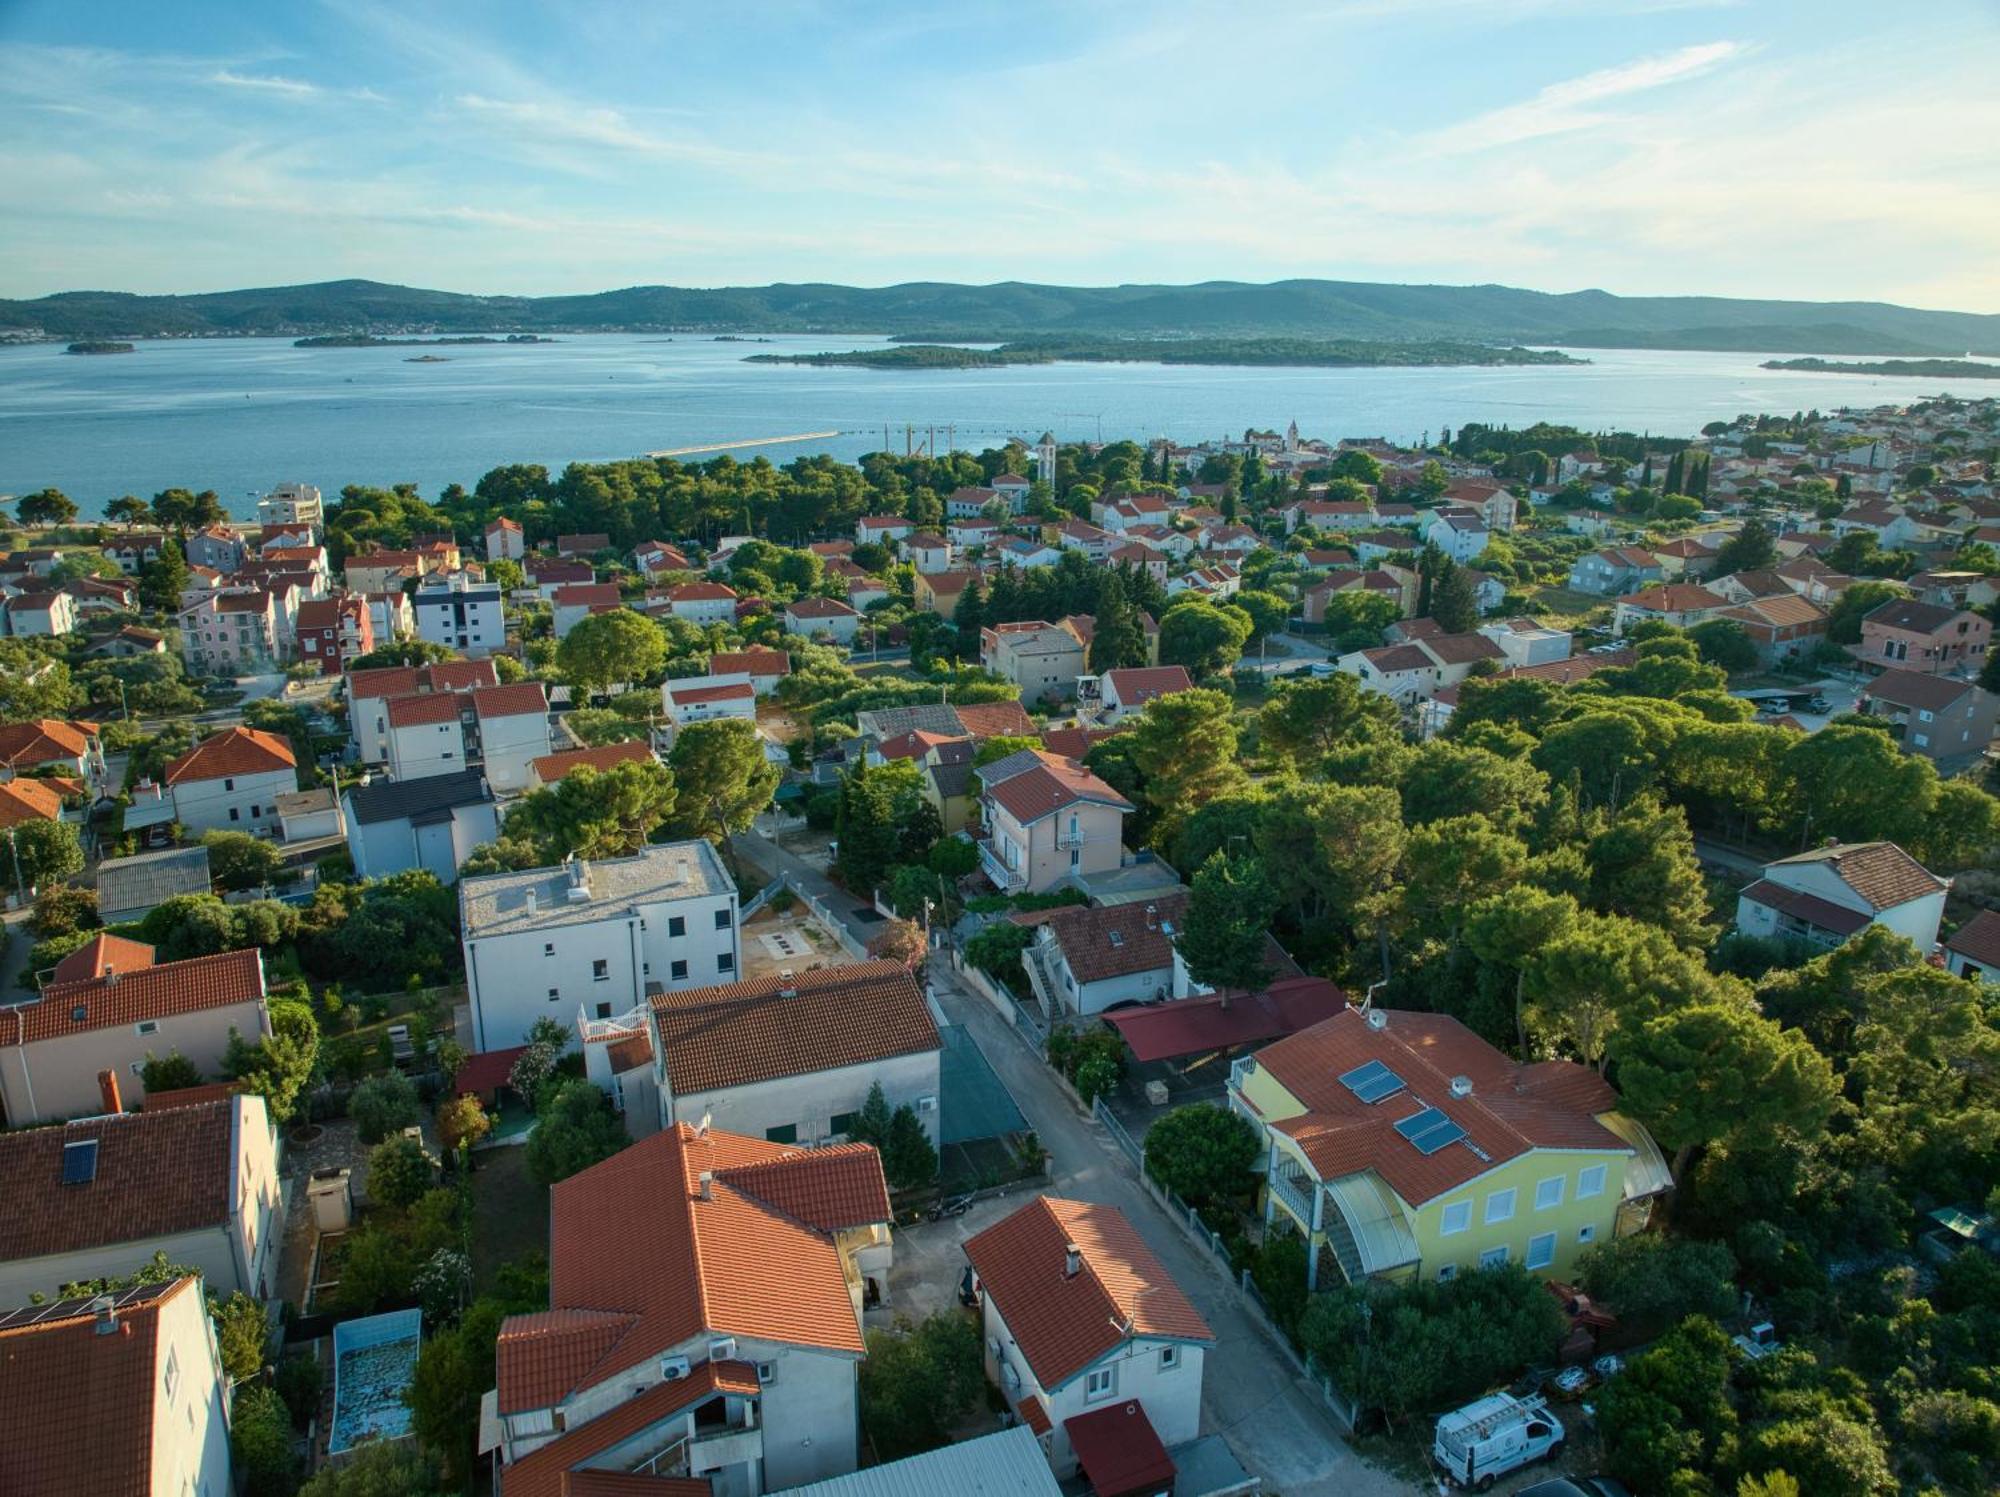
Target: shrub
{"points": [[62, 908], [241, 1329], [382, 1105], [260, 1437], [168, 1073], [1278, 1268], [462, 1121], [45, 953], [1202, 1153], [576, 1130], [399, 1173], [917, 1382], [300, 1382], [1651, 1281]]}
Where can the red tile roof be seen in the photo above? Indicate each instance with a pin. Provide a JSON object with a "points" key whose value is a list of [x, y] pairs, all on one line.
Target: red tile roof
{"points": [[1104, 941], [552, 767], [1074, 743], [103, 953], [1880, 872], [516, 700], [485, 1072], [1674, 597], [1810, 908], [1063, 1323], [542, 1356], [1049, 785], [190, 1096], [547, 1470], [44, 741], [76, 1407], [995, 719], [1200, 1026], [695, 696], [25, 800], [585, 595], [700, 592], [636, 1236], [149, 992], [158, 1174], [750, 663], [423, 708], [1978, 939], [1512, 1108], [1120, 1451], [1137, 686], [745, 1032], [819, 608], [234, 751]]}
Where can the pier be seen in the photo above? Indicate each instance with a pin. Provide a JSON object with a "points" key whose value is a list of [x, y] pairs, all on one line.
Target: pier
{"points": [[797, 436]]}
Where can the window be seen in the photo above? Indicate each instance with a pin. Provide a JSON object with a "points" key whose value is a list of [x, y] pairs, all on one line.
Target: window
{"points": [[1586, 1234], [1100, 1383], [1549, 1194], [678, 971], [1590, 1182], [554, 994], [1170, 1358], [726, 962], [603, 1010], [173, 1373], [784, 1133], [1541, 1250], [1447, 1272], [1500, 1206], [677, 925], [149, 1026], [1455, 1218], [1924, 714], [232, 814], [229, 784], [722, 920], [548, 948], [600, 970], [1493, 1258], [767, 1373], [843, 1122]]}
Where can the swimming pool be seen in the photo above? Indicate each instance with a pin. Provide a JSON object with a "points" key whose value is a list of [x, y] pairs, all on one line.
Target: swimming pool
{"points": [[374, 1360]]}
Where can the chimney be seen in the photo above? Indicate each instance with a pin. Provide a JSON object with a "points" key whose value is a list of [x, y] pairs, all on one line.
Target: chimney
{"points": [[1377, 1020], [107, 1087], [110, 975], [707, 1179], [1072, 1260], [532, 901], [106, 1310], [1152, 917], [1461, 1086]]}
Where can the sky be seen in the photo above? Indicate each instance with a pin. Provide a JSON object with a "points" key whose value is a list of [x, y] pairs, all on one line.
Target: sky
{"points": [[1816, 149]]}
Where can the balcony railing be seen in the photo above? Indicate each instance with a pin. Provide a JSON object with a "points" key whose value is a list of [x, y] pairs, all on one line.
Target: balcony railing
{"points": [[1066, 840], [1295, 1191], [1003, 877], [1241, 1070]]}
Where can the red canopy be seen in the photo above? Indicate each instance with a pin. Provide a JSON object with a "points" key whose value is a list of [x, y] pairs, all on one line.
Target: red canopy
{"points": [[1195, 1026], [1121, 1452], [485, 1072]]}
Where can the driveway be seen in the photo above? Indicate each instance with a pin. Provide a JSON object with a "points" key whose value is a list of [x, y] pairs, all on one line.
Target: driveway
{"points": [[1276, 1427]]}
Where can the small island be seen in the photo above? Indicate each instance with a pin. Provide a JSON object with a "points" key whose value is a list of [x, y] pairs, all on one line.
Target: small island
{"points": [[1907, 368], [370, 340], [1292, 352], [100, 346]]}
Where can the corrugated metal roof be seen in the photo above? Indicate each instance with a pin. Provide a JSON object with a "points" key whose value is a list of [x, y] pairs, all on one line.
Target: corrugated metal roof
{"points": [[1007, 1463]]}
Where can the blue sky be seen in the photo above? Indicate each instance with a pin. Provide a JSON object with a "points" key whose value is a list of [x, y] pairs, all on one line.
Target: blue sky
{"points": [[1823, 149]]}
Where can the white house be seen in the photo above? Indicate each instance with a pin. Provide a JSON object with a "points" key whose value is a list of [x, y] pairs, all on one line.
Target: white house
{"points": [[927, 552], [369, 693], [764, 668], [166, 1428], [513, 724], [1461, 534], [702, 602], [544, 942], [792, 1058], [505, 540], [881, 529], [1128, 690], [231, 782], [292, 504], [1526, 642], [813, 618], [431, 823], [462, 612], [704, 1321], [1973, 950], [1092, 1343], [1404, 672], [573, 602], [97, 1197], [1087, 957], [697, 699], [426, 734], [1824, 896]]}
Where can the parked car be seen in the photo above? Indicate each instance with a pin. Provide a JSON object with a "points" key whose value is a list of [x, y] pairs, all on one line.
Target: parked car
{"points": [[1477, 1445]]}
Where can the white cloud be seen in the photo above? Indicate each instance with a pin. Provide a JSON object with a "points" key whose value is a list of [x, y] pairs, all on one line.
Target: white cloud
{"points": [[1560, 107]]}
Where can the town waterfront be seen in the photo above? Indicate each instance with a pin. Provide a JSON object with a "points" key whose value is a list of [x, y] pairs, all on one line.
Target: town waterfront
{"points": [[238, 415]]}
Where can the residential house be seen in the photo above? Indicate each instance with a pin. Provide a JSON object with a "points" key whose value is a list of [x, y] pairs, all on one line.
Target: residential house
{"points": [[927, 552], [121, 1392], [1214, 582], [1889, 524], [1231, 540], [1121, 515], [765, 668], [1397, 546], [108, 1006], [1126, 691], [882, 530], [1141, 558], [822, 618], [1385, 582], [969, 532], [1087, 957], [1084, 1328], [967, 503], [426, 735], [292, 504], [1080, 535], [975, 720], [1973, 950], [1780, 628], [1682, 555], [1526, 642], [1616, 569], [505, 540], [390, 616], [134, 549], [1908, 635], [1496, 506], [1022, 552], [130, 889], [97, 1197], [231, 782], [596, 936], [1047, 819], [1940, 717], [588, 543], [370, 691], [48, 743], [33, 614], [1460, 534], [702, 602], [545, 576], [939, 592], [1177, 544], [1041, 658], [657, 557], [1330, 514], [1682, 604], [695, 699], [217, 547], [792, 1058], [576, 601], [24, 800], [230, 634], [948, 782], [331, 632], [1822, 897], [513, 725], [464, 612], [129, 643], [552, 768], [1405, 673], [382, 571], [1013, 488], [432, 823], [1401, 1146], [704, 1321]]}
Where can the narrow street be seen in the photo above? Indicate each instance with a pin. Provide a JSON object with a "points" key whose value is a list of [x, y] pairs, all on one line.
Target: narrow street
{"points": [[1274, 1423]]}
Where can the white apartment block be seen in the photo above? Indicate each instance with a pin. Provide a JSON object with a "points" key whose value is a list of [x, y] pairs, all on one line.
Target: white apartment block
{"points": [[461, 612]]}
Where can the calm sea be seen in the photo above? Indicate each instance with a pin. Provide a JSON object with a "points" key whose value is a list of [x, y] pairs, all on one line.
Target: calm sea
{"points": [[239, 415]]}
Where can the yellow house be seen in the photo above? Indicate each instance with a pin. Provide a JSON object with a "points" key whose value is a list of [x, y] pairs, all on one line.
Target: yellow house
{"points": [[1402, 1144]]}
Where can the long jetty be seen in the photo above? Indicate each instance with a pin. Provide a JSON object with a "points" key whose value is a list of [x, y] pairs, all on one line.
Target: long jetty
{"points": [[797, 436]]}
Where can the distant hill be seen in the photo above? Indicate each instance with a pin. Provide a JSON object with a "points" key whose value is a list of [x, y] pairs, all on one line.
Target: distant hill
{"points": [[1357, 310]]}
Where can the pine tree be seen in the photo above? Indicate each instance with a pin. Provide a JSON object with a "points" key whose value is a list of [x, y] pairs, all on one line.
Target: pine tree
{"points": [[970, 617], [1117, 640], [1676, 474], [1454, 600]]}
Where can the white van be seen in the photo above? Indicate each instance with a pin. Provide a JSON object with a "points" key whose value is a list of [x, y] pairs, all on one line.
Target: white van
{"points": [[1476, 1445]]}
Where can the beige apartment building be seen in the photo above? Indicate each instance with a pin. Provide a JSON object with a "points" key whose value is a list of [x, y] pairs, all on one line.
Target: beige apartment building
{"points": [[1046, 819]]}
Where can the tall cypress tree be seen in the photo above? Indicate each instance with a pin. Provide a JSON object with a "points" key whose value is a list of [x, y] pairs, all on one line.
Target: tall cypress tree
{"points": [[1117, 640]]}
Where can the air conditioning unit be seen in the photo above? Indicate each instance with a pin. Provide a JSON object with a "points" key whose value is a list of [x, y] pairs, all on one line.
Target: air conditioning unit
{"points": [[722, 1349], [673, 1369]]}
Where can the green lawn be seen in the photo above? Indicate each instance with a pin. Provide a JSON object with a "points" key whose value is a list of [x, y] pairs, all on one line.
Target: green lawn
{"points": [[510, 1213]]}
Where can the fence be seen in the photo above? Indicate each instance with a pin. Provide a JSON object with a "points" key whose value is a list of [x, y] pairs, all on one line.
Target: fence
{"points": [[761, 898], [997, 993], [826, 917]]}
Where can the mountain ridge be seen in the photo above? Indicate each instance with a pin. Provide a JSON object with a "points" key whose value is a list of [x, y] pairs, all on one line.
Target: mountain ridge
{"points": [[1305, 308]]}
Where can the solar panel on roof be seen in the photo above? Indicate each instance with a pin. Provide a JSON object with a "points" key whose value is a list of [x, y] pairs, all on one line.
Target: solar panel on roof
{"points": [[80, 1162], [1372, 1082], [1429, 1130]]}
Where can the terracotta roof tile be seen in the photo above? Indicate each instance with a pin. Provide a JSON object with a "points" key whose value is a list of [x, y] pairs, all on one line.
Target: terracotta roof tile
{"points": [[995, 719], [1046, 785], [1978, 939], [517, 700], [828, 1189], [1674, 597], [1139, 685], [1100, 942], [155, 992], [585, 595], [1880, 872], [700, 592], [745, 1032], [29, 800], [1812, 909], [729, 691], [819, 608], [750, 663], [24, 745], [552, 767], [423, 708], [101, 953], [1063, 1322], [233, 751], [540, 1357]]}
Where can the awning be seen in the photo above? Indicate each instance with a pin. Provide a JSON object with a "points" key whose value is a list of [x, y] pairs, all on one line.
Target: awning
{"points": [[1374, 1217], [1195, 1026], [1647, 1172], [485, 1072], [1120, 1452]]}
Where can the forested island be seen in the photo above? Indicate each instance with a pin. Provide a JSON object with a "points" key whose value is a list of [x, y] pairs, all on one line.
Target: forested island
{"points": [[101, 346], [369, 340], [1302, 352], [1910, 368]]}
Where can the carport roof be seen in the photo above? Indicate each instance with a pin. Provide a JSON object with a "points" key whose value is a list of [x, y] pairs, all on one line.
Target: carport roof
{"points": [[1119, 1450], [1194, 1026]]}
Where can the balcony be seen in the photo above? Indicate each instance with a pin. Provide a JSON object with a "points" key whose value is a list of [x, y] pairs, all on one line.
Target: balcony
{"points": [[1004, 878], [1294, 1192], [1068, 839]]}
